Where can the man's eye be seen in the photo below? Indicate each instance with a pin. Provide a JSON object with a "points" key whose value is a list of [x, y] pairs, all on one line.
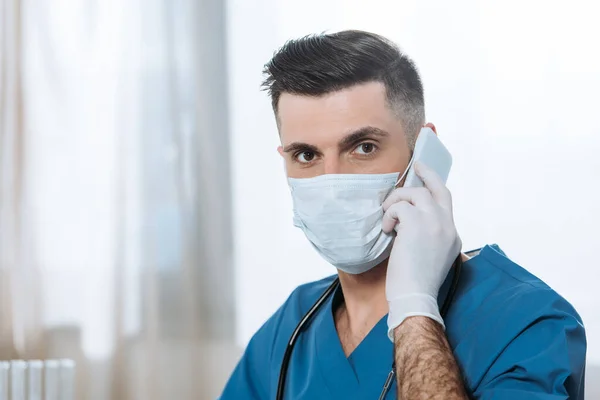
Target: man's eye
{"points": [[365, 148], [305, 156]]}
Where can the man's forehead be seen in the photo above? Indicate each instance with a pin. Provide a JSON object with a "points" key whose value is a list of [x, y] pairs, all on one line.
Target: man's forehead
{"points": [[319, 117]]}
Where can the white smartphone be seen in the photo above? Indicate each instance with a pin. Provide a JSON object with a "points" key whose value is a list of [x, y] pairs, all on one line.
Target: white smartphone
{"points": [[430, 151]]}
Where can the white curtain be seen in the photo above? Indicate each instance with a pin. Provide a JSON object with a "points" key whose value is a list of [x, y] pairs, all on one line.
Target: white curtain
{"points": [[115, 236], [14, 327]]}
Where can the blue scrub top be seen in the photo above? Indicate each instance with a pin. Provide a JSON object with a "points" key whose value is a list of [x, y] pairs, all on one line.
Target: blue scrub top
{"points": [[512, 336]]}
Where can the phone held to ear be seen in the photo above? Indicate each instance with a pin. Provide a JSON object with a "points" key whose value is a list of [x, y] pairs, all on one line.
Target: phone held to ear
{"points": [[430, 151]]}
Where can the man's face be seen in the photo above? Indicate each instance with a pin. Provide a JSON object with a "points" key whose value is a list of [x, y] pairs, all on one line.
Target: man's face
{"points": [[351, 131]]}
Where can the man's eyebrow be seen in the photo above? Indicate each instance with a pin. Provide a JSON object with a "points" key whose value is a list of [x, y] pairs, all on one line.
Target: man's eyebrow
{"points": [[300, 147], [361, 134]]}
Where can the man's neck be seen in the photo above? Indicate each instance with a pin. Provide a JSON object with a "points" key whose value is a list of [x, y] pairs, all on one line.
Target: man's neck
{"points": [[364, 305]]}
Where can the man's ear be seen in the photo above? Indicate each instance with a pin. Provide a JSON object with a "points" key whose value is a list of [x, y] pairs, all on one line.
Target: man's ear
{"points": [[280, 150], [431, 126]]}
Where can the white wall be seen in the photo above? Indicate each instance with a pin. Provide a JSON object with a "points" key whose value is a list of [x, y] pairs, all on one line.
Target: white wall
{"points": [[512, 87]]}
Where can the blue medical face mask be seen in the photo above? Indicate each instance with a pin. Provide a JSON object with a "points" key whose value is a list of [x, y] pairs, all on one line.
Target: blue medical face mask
{"points": [[341, 216]]}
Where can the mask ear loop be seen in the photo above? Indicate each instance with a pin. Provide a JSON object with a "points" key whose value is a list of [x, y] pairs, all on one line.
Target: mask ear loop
{"points": [[410, 163]]}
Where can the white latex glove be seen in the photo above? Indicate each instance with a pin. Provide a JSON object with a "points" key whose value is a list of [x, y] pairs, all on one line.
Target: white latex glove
{"points": [[424, 250]]}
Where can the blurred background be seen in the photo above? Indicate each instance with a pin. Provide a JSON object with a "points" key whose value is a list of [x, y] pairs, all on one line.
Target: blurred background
{"points": [[145, 221]]}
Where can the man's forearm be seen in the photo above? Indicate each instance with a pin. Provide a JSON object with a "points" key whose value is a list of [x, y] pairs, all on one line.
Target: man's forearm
{"points": [[425, 365]]}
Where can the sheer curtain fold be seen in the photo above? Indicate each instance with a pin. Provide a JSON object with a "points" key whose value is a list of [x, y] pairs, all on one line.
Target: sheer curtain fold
{"points": [[9, 92], [115, 239], [17, 274]]}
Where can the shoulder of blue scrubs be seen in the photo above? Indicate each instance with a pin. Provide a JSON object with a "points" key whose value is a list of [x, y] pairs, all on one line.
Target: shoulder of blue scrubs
{"points": [[512, 335], [262, 358]]}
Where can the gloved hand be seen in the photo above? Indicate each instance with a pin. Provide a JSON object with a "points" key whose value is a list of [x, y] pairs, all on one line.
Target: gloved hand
{"points": [[424, 250]]}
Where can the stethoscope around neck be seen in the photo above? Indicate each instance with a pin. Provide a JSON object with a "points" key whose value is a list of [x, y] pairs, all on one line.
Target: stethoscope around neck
{"points": [[306, 319]]}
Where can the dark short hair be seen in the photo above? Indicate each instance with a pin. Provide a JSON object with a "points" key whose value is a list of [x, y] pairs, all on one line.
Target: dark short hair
{"points": [[319, 64]]}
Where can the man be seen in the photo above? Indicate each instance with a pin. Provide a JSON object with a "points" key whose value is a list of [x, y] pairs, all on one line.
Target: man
{"points": [[349, 108]]}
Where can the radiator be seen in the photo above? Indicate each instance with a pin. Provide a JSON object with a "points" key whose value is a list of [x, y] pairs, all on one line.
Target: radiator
{"points": [[37, 380]]}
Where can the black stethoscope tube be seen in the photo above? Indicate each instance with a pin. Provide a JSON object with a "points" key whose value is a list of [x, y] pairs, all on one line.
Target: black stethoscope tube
{"points": [[304, 323]]}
